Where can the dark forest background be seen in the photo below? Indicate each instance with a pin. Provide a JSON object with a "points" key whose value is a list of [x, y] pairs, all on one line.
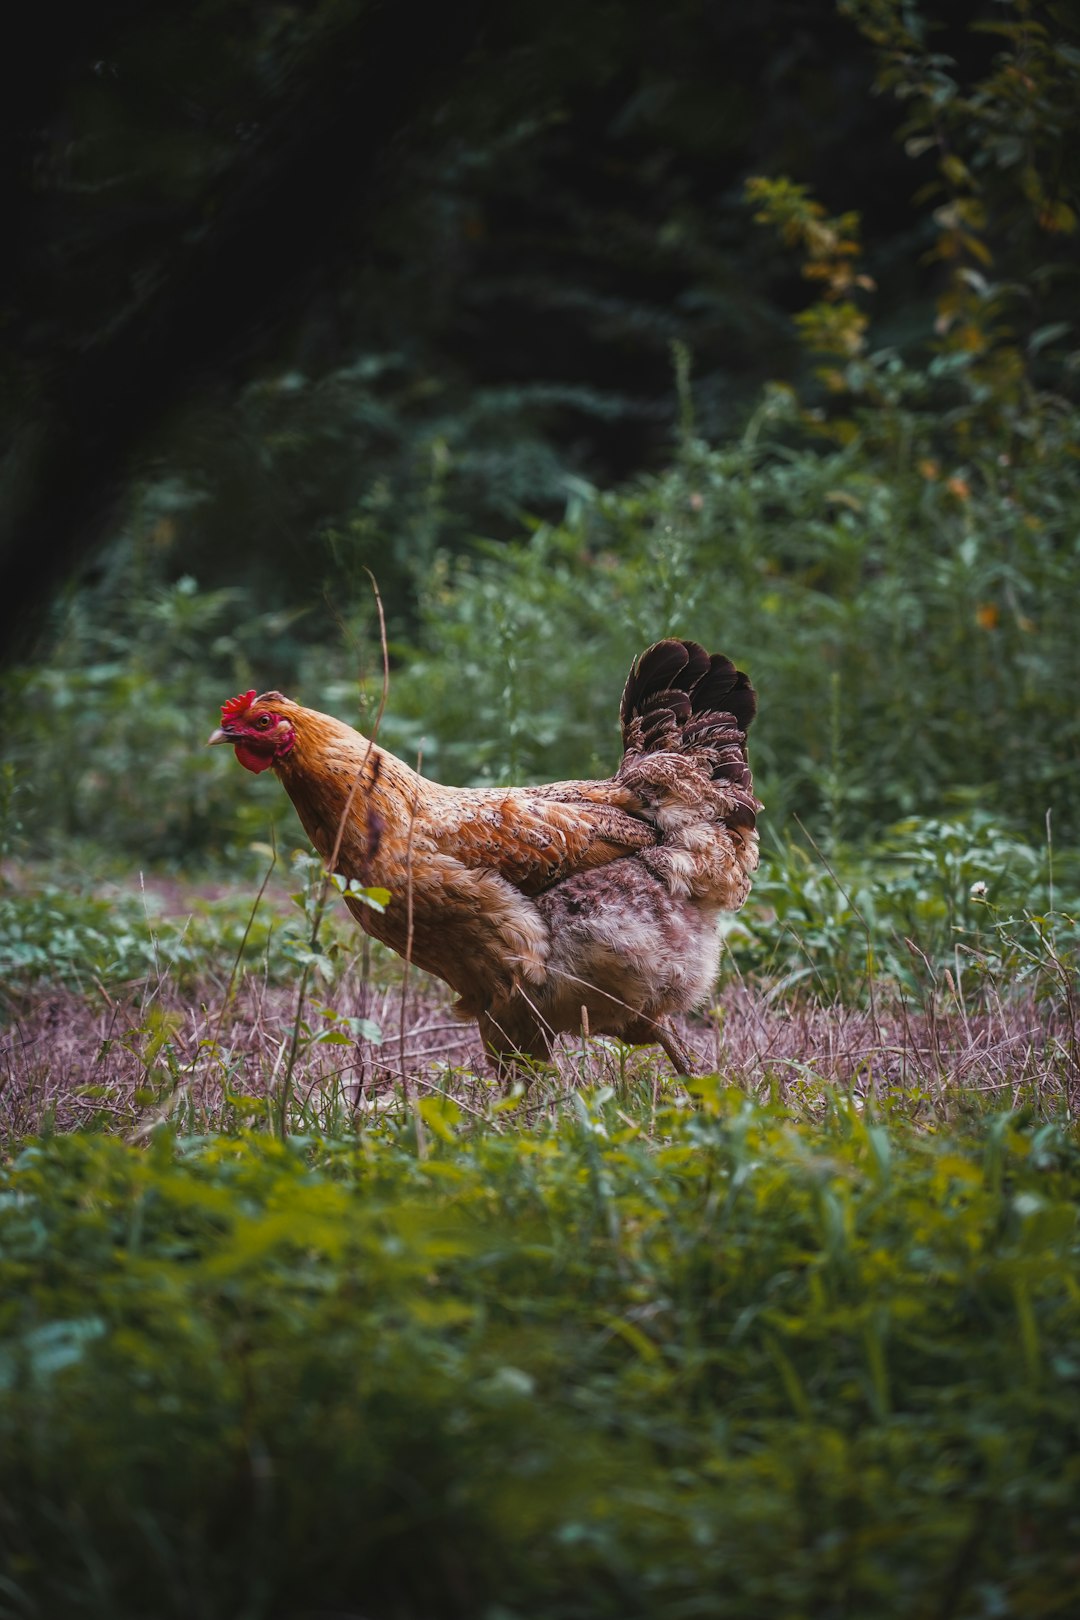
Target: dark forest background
{"points": [[575, 326]]}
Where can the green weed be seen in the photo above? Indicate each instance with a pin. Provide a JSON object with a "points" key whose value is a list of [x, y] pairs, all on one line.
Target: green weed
{"points": [[736, 1366]]}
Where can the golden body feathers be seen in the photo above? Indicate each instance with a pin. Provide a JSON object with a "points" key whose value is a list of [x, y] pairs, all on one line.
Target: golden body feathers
{"points": [[534, 902]]}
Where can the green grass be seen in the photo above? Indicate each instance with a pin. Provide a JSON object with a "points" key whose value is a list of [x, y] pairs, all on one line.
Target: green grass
{"points": [[722, 1361], [66, 924]]}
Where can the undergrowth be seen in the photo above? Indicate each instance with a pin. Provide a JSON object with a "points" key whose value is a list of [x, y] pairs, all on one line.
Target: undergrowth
{"points": [[721, 1368], [961, 901], [289, 1288]]}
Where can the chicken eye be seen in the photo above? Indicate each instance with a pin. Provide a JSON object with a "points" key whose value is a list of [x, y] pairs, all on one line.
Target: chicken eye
{"points": [[263, 721]]}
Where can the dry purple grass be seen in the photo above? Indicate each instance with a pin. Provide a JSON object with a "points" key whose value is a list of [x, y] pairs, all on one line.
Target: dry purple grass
{"points": [[69, 1060]]}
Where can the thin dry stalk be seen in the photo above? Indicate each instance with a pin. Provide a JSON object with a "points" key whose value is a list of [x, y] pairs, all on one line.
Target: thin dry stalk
{"points": [[331, 868], [421, 1142]]}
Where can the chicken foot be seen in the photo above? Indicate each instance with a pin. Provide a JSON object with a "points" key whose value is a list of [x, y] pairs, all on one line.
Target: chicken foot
{"points": [[655, 1032], [513, 1055]]}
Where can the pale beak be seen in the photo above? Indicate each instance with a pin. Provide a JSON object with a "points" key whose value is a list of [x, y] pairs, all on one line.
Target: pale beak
{"points": [[219, 736]]}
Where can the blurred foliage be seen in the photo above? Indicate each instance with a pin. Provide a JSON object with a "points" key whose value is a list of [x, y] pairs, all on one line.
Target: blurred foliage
{"points": [[497, 313], [746, 1365], [108, 741], [907, 620], [1001, 215], [890, 548], [959, 907], [80, 928], [408, 332]]}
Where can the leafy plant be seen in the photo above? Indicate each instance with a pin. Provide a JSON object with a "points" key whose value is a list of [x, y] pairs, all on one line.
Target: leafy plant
{"points": [[88, 929], [960, 903], [740, 1365]]}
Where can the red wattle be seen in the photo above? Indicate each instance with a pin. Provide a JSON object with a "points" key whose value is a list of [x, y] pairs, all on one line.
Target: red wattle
{"points": [[253, 759]]}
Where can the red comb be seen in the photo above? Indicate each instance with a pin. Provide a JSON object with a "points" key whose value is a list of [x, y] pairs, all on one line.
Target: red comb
{"points": [[237, 705]]}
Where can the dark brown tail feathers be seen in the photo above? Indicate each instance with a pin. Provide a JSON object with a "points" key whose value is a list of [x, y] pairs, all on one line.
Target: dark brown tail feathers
{"points": [[679, 697]]}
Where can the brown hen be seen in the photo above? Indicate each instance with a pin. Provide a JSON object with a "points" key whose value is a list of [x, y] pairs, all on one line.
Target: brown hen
{"points": [[544, 908]]}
